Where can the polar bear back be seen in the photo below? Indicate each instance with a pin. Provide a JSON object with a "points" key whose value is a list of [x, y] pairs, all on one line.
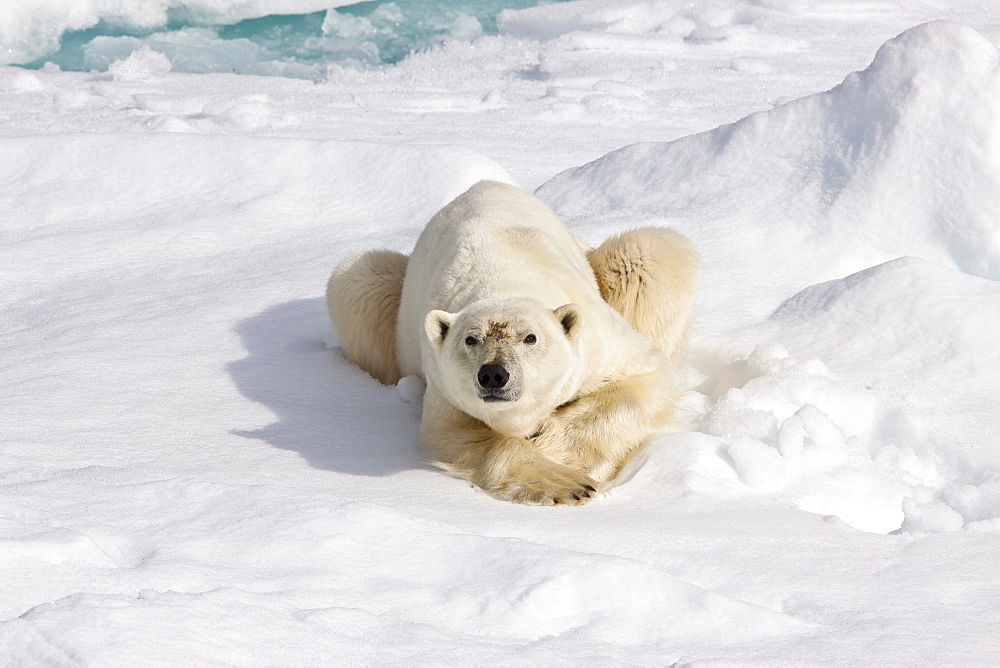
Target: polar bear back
{"points": [[495, 240]]}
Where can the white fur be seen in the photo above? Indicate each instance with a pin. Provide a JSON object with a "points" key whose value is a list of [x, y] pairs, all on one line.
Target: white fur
{"points": [[650, 276], [584, 337], [362, 298], [590, 393]]}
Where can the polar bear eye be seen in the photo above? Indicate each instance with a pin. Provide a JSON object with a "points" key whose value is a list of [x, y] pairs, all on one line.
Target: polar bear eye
{"points": [[530, 339], [470, 341]]}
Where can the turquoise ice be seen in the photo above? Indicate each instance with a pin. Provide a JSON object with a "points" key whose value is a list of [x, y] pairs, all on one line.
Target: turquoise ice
{"points": [[363, 34]]}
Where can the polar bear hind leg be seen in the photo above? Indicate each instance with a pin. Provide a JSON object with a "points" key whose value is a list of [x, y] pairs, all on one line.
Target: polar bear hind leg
{"points": [[650, 276], [363, 297]]}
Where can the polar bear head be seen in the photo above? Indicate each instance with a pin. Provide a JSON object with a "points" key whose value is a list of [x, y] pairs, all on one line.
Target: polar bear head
{"points": [[506, 361]]}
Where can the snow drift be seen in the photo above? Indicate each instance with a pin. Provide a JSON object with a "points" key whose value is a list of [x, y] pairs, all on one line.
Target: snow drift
{"points": [[902, 158], [842, 406]]}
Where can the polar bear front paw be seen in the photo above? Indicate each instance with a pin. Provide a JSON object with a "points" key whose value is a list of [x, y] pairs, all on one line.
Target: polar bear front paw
{"points": [[547, 485]]}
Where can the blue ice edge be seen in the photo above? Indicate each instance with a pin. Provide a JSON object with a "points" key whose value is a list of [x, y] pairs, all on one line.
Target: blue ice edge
{"points": [[365, 34]]}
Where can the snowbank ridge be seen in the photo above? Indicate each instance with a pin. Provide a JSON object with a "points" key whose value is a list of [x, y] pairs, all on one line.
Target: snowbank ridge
{"points": [[899, 159]]}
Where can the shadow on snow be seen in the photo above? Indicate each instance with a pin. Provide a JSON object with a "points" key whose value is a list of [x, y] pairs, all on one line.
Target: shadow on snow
{"points": [[329, 411]]}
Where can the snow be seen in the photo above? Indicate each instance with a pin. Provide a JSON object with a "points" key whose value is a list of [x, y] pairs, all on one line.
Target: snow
{"points": [[190, 472]]}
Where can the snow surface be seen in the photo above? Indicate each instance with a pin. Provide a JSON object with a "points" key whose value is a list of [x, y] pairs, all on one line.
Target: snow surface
{"points": [[190, 473]]}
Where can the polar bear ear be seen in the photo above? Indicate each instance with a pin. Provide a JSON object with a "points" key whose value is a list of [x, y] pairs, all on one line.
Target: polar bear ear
{"points": [[571, 319], [436, 324]]}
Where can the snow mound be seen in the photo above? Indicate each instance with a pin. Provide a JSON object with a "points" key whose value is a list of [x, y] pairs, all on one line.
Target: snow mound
{"points": [[911, 352], [141, 65], [867, 434], [899, 159], [18, 81], [829, 392], [238, 183]]}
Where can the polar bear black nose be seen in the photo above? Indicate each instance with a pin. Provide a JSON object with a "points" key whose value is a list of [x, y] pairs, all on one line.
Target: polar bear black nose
{"points": [[492, 376]]}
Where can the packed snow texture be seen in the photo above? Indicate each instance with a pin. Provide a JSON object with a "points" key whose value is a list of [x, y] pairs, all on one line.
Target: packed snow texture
{"points": [[191, 473]]}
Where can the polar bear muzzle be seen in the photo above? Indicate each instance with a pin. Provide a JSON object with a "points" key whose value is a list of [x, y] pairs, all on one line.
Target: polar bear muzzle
{"points": [[492, 380]]}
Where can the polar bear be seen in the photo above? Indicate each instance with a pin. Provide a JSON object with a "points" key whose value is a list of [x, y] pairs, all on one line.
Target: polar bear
{"points": [[547, 364]]}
